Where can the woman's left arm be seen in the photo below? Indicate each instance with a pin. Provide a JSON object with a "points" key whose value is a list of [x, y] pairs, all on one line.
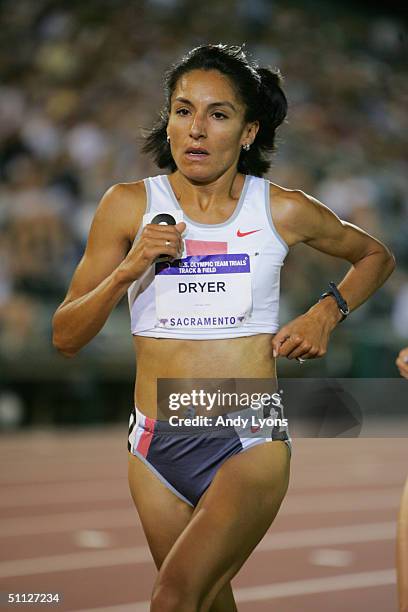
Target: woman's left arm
{"points": [[305, 219]]}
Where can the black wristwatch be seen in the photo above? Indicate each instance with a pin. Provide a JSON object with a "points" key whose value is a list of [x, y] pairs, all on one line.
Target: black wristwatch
{"points": [[341, 302]]}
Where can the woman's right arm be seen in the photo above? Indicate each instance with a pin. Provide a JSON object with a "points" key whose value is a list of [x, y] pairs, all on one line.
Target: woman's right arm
{"points": [[108, 267]]}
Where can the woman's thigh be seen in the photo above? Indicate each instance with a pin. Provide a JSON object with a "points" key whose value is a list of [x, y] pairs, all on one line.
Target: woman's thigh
{"points": [[231, 518], [164, 517], [162, 514]]}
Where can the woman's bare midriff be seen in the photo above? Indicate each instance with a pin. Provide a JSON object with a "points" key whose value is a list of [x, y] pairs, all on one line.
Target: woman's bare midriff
{"points": [[238, 358]]}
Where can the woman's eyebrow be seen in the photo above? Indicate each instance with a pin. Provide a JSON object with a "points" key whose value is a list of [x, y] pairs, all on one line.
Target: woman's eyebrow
{"points": [[223, 103]]}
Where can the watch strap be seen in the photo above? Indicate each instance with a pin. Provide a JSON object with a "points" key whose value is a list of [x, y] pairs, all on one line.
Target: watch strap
{"points": [[341, 302]]}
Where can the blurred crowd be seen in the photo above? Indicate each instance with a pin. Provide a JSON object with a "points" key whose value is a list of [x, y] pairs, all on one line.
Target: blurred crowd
{"points": [[81, 80]]}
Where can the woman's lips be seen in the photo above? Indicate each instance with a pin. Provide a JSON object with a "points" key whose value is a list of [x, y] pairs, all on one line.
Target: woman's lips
{"points": [[196, 155]]}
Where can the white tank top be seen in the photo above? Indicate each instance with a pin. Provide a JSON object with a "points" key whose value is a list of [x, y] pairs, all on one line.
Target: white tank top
{"points": [[226, 284]]}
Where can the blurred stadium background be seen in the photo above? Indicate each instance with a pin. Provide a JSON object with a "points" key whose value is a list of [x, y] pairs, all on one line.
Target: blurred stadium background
{"points": [[80, 80]]}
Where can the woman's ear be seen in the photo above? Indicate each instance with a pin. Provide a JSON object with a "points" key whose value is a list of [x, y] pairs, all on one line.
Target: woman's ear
{"points": [[252, 130]]}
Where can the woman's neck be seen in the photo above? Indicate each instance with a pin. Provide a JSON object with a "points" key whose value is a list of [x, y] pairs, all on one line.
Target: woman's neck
{"points": [[204, 196]]}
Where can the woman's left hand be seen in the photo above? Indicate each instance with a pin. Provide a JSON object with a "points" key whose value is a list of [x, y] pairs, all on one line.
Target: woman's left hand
{"points": [[306, 336], [402, 362]]}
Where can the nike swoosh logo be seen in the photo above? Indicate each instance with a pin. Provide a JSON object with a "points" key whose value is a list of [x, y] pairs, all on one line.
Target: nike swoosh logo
{"points": [[242, 234]]}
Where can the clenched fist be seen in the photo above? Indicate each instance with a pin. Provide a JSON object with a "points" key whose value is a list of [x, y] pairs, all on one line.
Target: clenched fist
{"points": [[154, 240]]}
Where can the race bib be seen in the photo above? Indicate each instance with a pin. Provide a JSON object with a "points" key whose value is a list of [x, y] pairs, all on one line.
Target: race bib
{"points": [[203, 291]]}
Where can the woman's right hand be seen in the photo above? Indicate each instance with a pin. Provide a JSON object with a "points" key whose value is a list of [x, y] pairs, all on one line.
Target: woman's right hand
{"points": [[154, 240]]}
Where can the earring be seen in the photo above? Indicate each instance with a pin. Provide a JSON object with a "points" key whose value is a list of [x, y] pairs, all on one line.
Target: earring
{"points": [[168, 139], [246, 146]]}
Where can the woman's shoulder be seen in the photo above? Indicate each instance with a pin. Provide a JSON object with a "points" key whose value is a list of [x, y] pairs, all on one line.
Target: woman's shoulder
{"points": [[282, 193], [132, 192], [292, 210], [123, 204]]}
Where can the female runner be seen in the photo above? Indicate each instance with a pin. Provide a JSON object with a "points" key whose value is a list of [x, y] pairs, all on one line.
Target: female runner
{"points": [[206, 502]]}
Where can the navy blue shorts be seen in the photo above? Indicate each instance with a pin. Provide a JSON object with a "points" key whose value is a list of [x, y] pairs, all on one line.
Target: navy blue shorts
{"points": [[186, 459]]}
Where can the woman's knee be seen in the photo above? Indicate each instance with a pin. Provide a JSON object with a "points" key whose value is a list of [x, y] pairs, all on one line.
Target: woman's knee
{"points": [[172, 597]]}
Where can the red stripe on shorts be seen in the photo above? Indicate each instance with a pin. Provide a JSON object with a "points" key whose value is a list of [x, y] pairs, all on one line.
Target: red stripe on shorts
{"points": [[146, 437]]}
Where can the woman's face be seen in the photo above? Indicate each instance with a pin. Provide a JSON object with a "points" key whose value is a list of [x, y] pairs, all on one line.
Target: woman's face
{"points": [[206, 125]]}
